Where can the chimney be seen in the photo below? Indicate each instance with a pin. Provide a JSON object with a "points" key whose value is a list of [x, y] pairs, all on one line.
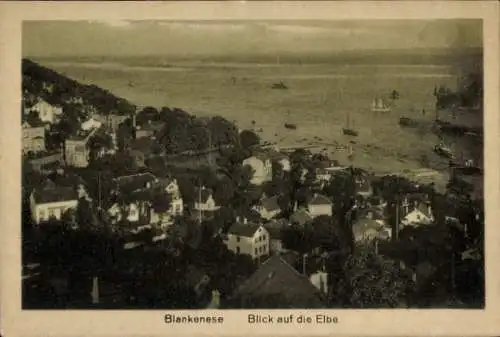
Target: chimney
{"points": [[245, 221], [95, 290], [134, 125]]}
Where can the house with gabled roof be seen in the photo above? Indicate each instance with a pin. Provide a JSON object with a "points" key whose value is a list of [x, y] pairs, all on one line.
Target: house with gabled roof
{"points": [[366, 228], [46, 111], [300, 217], [248, 238], [33, 136], [416, 212], [276, 284], [268, 207], [319, 205], [51, 201]]}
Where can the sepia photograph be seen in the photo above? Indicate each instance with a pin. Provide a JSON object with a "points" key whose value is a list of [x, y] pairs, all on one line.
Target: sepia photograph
{"points": [[276, 168], [252, 164]]}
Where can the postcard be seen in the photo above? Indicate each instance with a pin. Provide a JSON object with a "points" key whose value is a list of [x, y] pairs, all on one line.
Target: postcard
{"points": [[276, 168]]}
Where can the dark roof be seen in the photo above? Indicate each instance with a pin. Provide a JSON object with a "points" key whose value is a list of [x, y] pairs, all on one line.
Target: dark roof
{"points": [[127, 184], [241, 229], [34, 122], [274, 228], [300, 217], [271, 203], [50, 192], [320, 199], [277, 280]]}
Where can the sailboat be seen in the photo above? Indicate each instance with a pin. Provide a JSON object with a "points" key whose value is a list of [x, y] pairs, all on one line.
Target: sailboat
{"points": [[280, 84], [378, 105], [348, 130]]}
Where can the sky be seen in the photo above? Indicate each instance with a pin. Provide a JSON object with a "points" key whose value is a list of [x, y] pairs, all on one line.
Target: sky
{"points": [[114, 38]]}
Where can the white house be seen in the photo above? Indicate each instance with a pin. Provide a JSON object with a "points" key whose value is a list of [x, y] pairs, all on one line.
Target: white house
{"points": [[262, 169], [319, 205], [205, 201], [47, 112], [248, 238], [268, 207], [51, 201], [419, 213]]}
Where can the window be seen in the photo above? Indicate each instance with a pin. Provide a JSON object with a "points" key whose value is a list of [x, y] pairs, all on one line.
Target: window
{"points": [[41, 213], [263, 238], [238, 239], [256, 251], [51, 213], [237, 250]]}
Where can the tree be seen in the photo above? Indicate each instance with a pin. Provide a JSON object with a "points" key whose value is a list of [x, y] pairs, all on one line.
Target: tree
{"points": [[161, 203], [249, 139], [370, 281], [224, 192], [84, 213]]}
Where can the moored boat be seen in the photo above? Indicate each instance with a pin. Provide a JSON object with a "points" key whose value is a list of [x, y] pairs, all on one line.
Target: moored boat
{"points": [[444, 151], [378, 105]]}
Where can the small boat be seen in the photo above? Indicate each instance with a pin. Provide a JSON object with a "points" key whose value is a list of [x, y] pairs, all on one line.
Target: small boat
{"points": [[378, 105], [443, 151], [350, 132], [290, 126], [394, 95], [405, 121], [279, 85]]}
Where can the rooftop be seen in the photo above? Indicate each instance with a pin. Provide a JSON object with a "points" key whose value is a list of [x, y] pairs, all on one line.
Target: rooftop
{"points": [[280, 285], [246, 230], [49, 192], [271, 203], [129, 184], [300, 217], [319, 199]]}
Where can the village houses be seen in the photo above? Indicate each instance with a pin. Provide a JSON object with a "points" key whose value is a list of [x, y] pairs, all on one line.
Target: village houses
{"points": [[51, 201], [248, 238], [136, 192], [268, 207], [416, 211], [371, 225], [76, 147], [33, 136], [46, 112], [319, 205], [267, 283], [262, 168]]}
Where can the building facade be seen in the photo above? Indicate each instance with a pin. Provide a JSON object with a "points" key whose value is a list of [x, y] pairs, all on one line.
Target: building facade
{"points": [[248, 239], [33, 137], [51, 202], [76, 149]]}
